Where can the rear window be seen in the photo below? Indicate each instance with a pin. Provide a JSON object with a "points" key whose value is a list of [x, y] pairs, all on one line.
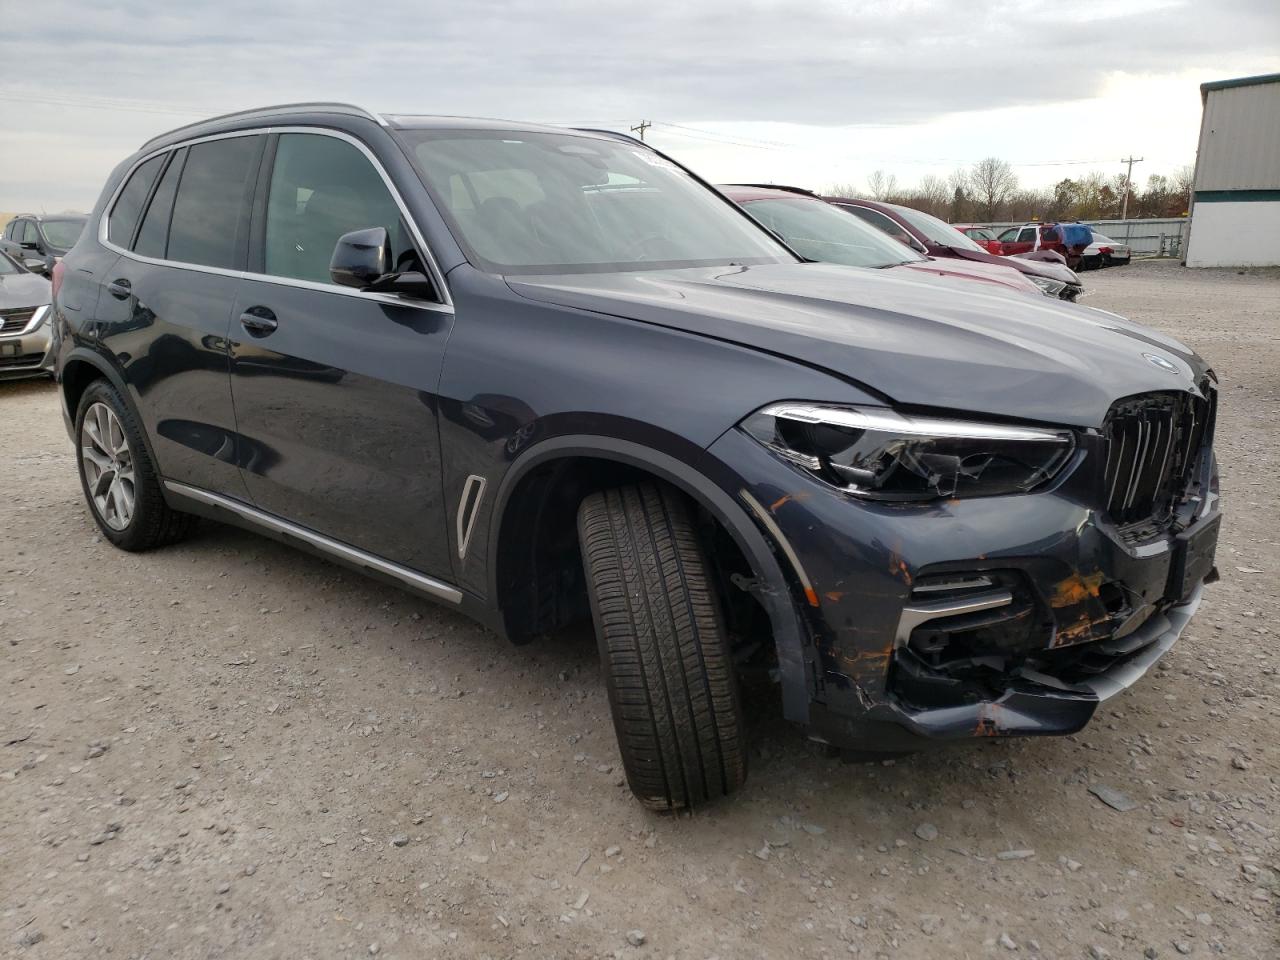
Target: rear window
{"points": [[124, 215], [210, 212]]}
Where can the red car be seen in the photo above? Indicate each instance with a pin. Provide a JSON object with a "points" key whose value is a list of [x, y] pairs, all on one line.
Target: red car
{"points": [[984, 237], [928, 234], [818, 231], [1019, 240]]}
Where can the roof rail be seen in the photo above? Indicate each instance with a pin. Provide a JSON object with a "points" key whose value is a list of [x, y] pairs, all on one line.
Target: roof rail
{"points": [[611, 133], [775, 186], [283, 108]]}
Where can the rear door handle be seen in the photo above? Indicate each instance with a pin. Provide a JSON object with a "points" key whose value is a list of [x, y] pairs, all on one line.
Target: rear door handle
{"points": [[120, 289], [258, 321]]}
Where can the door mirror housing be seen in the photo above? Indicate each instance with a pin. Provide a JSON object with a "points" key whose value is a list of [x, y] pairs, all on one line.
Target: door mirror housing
{"points": [[361, 258]]}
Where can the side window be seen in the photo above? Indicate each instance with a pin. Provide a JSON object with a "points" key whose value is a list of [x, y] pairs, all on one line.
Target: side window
{"points": [[11, 230], [321, 188], [153, 235], [124, 215], [1008, 235], [877, 220], [31, 233], [210, 212], [1027, 235]]}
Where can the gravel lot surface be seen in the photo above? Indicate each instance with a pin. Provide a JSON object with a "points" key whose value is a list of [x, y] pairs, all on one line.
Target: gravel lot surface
{"points": [[230, 749]]}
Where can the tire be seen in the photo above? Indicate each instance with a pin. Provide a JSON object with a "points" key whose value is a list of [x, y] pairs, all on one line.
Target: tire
{"points": [[113, 461], [663, 647]]}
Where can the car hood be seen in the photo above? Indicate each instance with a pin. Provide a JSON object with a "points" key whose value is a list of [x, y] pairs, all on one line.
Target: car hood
{"points": [[1041, 268], [913, 340], [23, 290], [972, 270]]}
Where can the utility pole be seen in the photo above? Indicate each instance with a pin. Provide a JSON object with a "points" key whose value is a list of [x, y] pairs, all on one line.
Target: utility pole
{"points": [[641, 127], [1128, 182]]}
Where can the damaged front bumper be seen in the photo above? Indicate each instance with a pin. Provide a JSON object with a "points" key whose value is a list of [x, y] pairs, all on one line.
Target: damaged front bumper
{"points": [[1000, 616]]}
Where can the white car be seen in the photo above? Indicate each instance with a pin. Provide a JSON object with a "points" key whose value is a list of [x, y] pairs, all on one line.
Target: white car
{"points": [[1104, 252]]}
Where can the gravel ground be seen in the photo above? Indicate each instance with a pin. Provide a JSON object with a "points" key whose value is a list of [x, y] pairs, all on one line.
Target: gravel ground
{"points": [[230, 749]]}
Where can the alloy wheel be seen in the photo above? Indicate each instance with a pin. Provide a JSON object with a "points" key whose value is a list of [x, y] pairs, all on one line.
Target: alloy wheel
{"points": [[108, 466]]}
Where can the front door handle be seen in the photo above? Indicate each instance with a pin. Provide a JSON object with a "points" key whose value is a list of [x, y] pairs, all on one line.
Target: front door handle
{"points": [[258, 321], [120, 289]]}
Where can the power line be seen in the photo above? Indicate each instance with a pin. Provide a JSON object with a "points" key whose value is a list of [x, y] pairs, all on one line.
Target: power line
{"points": [[641, 127], [106, 104]]}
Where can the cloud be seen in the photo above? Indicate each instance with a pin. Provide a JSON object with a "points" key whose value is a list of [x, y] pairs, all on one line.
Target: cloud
{"points": [[821, 63]]}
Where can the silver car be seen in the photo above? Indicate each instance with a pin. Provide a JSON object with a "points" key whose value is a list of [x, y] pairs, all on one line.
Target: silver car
{"points": [[25, 328]]}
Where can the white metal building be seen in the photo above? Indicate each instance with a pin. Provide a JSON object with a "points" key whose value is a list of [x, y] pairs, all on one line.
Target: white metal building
{"points": [[1235, 212]]}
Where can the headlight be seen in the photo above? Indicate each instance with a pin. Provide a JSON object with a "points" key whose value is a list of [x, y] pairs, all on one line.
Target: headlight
{"points": [[1048, 286], [883, 455]]}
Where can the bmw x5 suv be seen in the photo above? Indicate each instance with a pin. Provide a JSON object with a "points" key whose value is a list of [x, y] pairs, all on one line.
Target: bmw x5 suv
{"points": [[544, 375]]}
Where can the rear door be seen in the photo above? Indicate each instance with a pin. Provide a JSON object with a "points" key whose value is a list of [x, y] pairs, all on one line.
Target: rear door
{"points": [[335, 389], [180, 224]]}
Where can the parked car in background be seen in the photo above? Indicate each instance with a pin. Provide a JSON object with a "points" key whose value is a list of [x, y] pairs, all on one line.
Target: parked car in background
{"points": [[927, 234], [38, 242], [818, 231], [1068, 240], [1105, 252], [984, 237], [25, 349], [565, 378]]}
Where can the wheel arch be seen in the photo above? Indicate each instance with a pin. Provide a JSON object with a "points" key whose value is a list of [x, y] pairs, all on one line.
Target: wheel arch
{"points": [[80, 368], [513, 521]]}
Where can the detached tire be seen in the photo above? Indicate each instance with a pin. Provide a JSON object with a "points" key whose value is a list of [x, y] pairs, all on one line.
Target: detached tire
{"points": [[663, 646]]}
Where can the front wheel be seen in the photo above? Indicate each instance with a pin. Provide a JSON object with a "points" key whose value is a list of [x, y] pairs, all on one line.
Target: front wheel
{"points": [[663, 647], [118, 478]]}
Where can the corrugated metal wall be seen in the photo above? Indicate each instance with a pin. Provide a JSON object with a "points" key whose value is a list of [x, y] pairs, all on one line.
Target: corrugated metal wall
{"points": [[1240, 139]]}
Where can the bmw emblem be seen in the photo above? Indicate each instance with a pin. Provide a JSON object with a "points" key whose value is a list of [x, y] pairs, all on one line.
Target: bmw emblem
{"points": [[1161, 362]]}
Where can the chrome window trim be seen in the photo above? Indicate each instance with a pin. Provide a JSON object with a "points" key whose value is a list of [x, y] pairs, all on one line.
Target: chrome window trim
{"points": [[437, 276], [336, 548]]}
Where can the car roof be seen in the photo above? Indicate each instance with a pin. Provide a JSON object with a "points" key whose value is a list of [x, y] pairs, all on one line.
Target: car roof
{"points": [[42, 217], [347, 112]]}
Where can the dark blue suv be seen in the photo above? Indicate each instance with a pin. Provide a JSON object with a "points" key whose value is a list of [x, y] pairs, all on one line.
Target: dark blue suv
{"points": [[541, 375]]}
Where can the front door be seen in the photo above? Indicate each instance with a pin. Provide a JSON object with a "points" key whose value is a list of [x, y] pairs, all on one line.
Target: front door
{"points": [[334, 389]]}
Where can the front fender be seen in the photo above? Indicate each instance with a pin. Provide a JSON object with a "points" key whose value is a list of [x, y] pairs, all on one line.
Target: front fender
{"points": [[791, 636]]}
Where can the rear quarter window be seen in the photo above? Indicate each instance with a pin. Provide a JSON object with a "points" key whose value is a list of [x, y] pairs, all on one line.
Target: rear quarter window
{"points": [[128, 206]]}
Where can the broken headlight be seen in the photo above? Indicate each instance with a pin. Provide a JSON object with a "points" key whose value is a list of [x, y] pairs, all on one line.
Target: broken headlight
{"points": [[1048, 286], [876, 453]]}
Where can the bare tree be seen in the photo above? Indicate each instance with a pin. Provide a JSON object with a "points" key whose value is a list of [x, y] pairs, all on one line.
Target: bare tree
{"points": [[882, 185], [935, 194], [844, 190], [991, 181]]}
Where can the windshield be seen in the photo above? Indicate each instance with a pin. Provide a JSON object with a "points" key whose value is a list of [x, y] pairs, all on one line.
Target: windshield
{"points": [[818, 231], [562, 203], [7, 266], [978, 233], [937, 231], [1099, 238], [62, 234]]}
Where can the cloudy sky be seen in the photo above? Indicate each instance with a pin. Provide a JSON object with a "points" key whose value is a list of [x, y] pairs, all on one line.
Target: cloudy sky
{"points": [[749, 90]]}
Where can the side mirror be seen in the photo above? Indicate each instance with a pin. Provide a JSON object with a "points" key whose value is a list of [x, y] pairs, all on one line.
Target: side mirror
{"points": [[361, 258]]}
